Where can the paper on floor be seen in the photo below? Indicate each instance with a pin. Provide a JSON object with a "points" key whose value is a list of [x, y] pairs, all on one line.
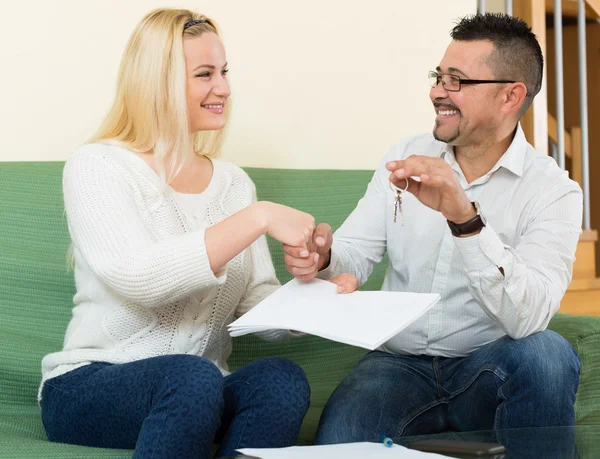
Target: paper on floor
{"points": [[341, 451]]}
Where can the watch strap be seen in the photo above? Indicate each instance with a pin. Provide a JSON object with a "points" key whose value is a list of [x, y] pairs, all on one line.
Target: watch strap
{"points": [[468, 227]]}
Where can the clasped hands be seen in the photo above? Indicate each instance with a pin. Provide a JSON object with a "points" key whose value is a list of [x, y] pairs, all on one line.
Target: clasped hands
{"points": [[437, 188], [304, 262]]}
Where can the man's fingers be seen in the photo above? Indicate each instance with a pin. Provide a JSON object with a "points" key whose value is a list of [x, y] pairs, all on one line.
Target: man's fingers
{"points": [[295, 262], [354, 283], [295, 251], [300, 272], [435, 181], [322, 234], [393, 165], [307, 277], [416, 170], [346, 283], [350, 285], [338, 280], [416, 165]]}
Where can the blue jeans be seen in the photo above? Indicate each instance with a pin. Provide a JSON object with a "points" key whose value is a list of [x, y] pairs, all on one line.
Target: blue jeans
{"points": [[506, 384], [176, 406]]}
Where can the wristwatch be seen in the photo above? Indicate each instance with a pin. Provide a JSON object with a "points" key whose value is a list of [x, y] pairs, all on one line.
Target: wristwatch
{"points": [[470, 226]]}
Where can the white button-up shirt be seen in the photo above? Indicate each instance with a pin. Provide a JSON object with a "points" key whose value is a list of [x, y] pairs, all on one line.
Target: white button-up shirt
{"points": [[533, 213]]}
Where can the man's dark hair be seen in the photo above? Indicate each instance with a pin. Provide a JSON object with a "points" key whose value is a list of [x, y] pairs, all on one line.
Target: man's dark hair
{"points": [[517, 54]]}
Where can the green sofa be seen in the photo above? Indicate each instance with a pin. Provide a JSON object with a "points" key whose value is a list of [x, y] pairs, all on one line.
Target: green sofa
{"points": [[36, 291]]}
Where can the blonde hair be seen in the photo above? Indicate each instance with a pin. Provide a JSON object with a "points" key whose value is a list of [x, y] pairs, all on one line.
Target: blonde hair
{"points": [[150, 109]]}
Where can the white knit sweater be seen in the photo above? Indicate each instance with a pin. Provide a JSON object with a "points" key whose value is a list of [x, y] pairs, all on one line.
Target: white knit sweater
{"points": [[144, 286]]}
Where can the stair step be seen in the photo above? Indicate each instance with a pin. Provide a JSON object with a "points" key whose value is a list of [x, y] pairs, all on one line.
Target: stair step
{"points": [[588, 235], [582, 298], [585, 256], [577, 285], [583, 294], [582, 301]]}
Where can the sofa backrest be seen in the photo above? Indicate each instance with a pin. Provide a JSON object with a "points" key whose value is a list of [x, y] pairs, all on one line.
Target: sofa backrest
{"points": [[36, 288]]}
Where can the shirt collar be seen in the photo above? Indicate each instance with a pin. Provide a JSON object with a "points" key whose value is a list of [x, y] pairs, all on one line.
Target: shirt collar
{"points": [[513, 158]]}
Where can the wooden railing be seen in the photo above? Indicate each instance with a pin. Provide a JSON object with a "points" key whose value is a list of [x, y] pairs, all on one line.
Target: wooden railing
{"points": [[569, 8], [572, 147], [541, 130], [537, 122]]}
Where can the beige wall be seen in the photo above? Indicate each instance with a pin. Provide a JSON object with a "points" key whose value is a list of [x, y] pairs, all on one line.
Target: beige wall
{"points": [[316, 84]]}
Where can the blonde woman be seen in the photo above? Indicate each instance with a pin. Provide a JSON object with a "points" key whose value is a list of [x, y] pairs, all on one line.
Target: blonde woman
{"points": [[168, 248]]}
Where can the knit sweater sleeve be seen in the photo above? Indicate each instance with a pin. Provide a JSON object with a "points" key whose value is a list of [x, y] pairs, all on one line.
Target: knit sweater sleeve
{"points": [[263, 281], [108, 229]]}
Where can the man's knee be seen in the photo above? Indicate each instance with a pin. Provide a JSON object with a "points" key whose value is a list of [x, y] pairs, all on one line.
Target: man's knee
{"points": [[543, 377], [340, 423], [547, 358], [355, 410]]}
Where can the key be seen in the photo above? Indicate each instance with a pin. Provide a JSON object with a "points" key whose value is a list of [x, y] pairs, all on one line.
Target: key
{"points": [[398, 201], [398, 207]]}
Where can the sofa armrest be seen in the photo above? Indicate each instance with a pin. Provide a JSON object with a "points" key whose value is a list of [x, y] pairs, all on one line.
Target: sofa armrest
{"points": [[583, 332]]}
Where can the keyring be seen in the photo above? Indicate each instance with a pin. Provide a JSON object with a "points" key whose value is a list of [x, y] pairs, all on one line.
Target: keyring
{"points": [[395, 188]]}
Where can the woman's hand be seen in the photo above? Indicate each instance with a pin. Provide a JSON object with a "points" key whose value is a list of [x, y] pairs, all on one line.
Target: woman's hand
{"points": [[231, 236], [287, 225]]}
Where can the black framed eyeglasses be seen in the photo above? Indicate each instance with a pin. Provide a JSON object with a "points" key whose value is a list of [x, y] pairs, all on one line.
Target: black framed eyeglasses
{"points": [[453, 82]]}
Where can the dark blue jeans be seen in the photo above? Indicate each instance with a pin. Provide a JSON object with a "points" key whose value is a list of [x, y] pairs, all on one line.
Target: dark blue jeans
{"points": [[506, 384], [176, 406]]}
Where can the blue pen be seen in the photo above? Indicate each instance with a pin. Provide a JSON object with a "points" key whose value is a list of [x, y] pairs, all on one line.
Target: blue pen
{"points": [[387, 441]]}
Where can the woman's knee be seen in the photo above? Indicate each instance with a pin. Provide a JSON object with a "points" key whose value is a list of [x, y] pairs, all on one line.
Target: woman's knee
{"points": [[288, 373], [284, 380], [191, 376]]}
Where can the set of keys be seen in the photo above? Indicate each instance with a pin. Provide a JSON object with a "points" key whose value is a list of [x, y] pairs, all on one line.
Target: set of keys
{"points": [[398, 201]]}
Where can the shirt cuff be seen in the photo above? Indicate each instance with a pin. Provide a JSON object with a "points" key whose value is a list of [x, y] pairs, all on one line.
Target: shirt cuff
{"points": [[279, 335], [481, 250]]}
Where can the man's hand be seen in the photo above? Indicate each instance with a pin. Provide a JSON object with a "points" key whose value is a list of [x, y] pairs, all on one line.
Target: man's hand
{"points": [[346, 283], [438, 189], [304, 264]]}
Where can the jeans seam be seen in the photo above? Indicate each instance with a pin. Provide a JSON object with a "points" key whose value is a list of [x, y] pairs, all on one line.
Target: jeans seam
{"points": [[495, 370], [500, 407], [419, 413], [253, 392], [439, 383], [164, 420]]}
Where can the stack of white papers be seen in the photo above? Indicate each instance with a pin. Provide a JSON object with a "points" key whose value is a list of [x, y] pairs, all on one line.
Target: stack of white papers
{"points": [[342, 451], [364, 319]]}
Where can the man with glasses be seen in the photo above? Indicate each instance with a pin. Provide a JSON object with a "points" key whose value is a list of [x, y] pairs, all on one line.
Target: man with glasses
{"points": [[474, 213]]}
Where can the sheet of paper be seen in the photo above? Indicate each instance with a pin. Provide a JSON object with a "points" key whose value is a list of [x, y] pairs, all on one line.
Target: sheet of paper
{"points": [[365, 319], [341, 451]]}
